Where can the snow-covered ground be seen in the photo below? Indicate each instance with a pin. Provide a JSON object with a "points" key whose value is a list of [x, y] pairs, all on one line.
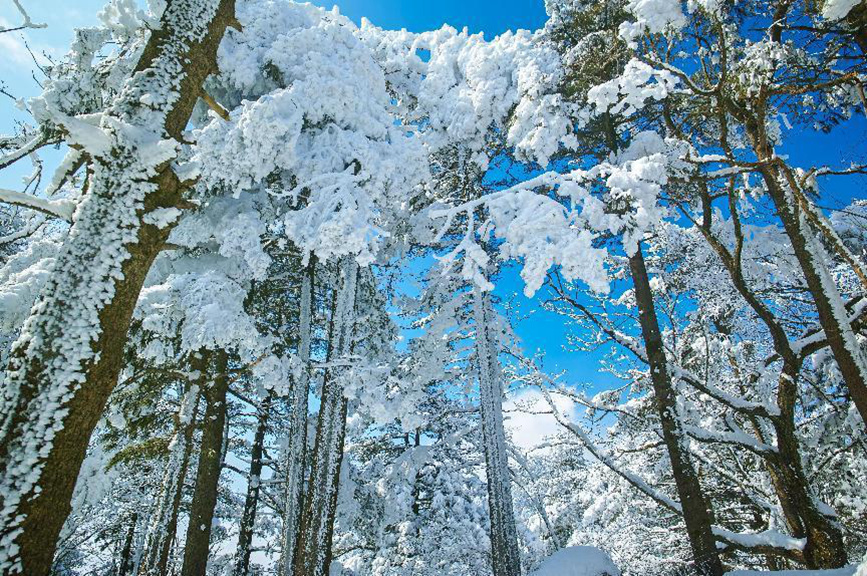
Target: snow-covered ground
{"points": [[578, 561]]}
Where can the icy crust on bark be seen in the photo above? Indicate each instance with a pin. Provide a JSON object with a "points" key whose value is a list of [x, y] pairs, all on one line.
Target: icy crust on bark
{"points": [[126, 154]]}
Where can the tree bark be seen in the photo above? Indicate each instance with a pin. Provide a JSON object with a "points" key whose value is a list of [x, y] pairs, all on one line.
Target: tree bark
{"points": [[697, 514], [296, 446], [782, 188], [313, 551], [248, 518], [66, 362], [208, 471], [164, 524], [825, 548], [829, 304], [505, 558], [126, 561]]}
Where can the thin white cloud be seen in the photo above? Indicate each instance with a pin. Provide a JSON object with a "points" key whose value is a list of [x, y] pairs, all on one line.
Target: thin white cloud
{"points": [[16, 58], [526, 421]]}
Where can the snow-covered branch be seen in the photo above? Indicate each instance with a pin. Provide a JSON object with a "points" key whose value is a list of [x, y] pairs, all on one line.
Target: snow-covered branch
{"points": [[62, 209], [28, 147], [28, 23]]}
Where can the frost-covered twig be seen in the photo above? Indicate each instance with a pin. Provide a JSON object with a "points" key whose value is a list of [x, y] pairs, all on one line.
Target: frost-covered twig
{"points": [[58, 208], [31, 227], [215, 106], [27, 148], [605, 459], [28, 23]]}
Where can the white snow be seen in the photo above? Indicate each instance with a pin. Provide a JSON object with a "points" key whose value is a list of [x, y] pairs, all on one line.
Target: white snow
{"points": [[578, 561], [838, 9]]}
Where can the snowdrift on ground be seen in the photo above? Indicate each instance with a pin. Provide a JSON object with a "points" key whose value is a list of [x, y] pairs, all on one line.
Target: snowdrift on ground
{"points": [[579, 561]]}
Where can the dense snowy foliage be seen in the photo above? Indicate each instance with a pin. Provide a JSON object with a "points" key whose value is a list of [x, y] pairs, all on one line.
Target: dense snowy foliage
{"points": [[263, 318]]}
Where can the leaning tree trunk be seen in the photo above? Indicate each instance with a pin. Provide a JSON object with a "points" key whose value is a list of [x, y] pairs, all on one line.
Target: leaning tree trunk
{"points": [[504, 536], [696, 510], [296, 445], [248, 518], [313, 549], [782, 188], [164, 522], [66, 362], [208, 471]]}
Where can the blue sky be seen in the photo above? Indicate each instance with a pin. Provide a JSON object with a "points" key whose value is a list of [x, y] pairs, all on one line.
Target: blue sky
{"points": [[541, 330]]}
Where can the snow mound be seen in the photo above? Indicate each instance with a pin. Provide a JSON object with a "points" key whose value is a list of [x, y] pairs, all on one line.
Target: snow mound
{"points": [[578, 561], [847, 571]]}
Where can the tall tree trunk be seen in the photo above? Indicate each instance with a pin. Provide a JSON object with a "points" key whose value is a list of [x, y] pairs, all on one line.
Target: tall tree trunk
{"points": [[296, 446], [125, 566], [783, 188], [313, 550], [66, 362], [248, 518], [504, 536], [696, 510], [164, 522], [208, 471]]}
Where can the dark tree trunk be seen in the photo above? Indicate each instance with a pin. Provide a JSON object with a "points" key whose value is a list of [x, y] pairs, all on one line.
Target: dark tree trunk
{"points": [[841, 338], [71, 350], [696, 510], [248, 518], [313, 551], [208, 471], [782, 187], [825, 548], [857, 21], [125, 565]]}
